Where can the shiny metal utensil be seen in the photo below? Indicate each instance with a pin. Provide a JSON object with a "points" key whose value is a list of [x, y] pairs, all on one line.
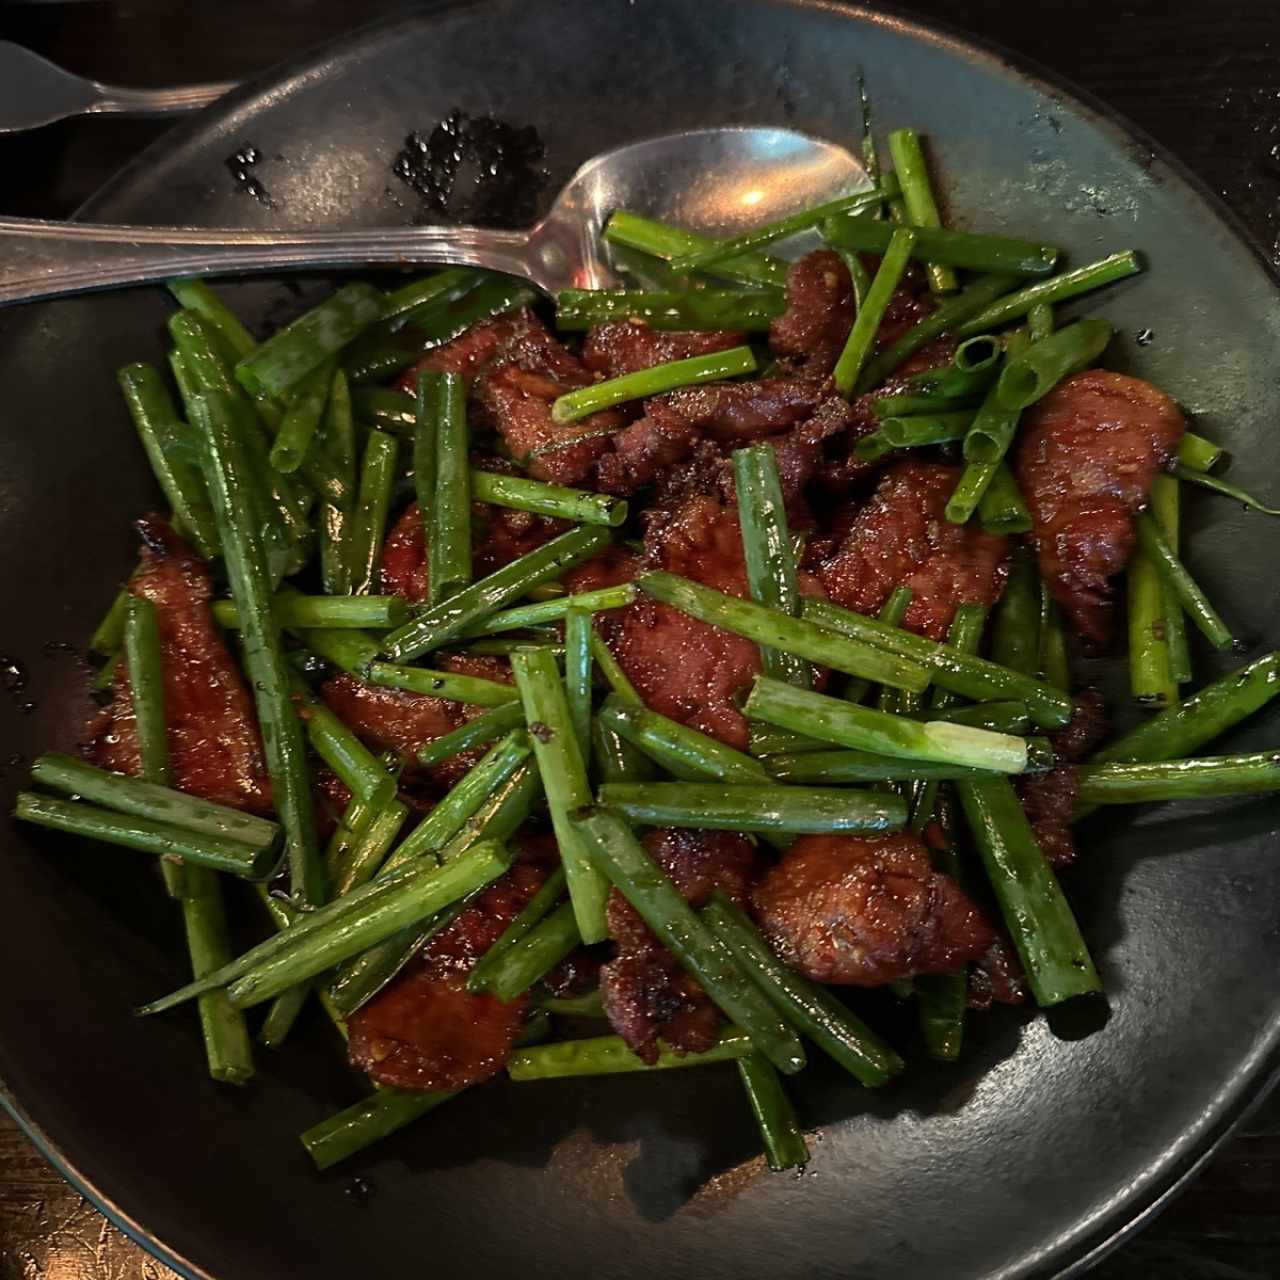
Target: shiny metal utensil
{"points": [[34, 92], [720, 181]]}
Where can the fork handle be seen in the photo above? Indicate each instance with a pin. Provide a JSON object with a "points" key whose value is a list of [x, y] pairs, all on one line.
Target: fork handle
{"points": [[114, 99], [41, 259]]}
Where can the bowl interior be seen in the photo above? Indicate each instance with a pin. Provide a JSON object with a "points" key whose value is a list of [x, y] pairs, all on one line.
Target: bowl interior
{"points": [[1047, 1137]]}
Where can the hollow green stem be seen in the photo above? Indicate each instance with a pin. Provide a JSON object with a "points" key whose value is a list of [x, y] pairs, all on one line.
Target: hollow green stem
{"points": [[766, 541], [659, 903], [436, 625], [707, 309], [279, 364], [755, 807], [609, 1055], [1174, 573], [666, 242], [805, 1004], [917, 195], [145, 835], [693, 371], [865, 729], [796, 635], [1067, 284], [898, 246], [564, 778], [1033, 906], [522, 494]]}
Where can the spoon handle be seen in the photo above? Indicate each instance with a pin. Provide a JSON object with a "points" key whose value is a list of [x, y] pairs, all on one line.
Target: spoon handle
{"points": [[47, 259], [116, 100]]}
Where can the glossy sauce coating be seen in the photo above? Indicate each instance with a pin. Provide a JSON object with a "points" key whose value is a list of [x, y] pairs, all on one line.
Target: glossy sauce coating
{"points": [[215, 749], [627, 346], [405, 721], [1086, 457], [425, 1030], [499, 535], [810, 334], [518, 369], [902, 537], [1050, 797], [867, 911], [647, 994]]}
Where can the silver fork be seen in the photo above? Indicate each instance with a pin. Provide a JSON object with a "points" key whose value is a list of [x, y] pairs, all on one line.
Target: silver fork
{"points": [[35, 92]]}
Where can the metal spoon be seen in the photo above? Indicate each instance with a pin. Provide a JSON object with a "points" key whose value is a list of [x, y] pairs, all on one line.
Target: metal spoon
{"points": [[720, 181], [33, 92]]}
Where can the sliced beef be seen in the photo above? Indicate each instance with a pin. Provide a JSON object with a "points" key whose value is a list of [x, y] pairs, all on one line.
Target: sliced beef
{"points": [[631, 345], [811, 332], [867, 911], [997, 976], [404, 721], [612, 567], [499, 535], [518, 368], [909, 303], [425, 1030], [1087, 454], [902, 537], [730, 413], [215, 748], [518, 338], [647, 994], [518, 401], [1050, 797], [683, 668]]}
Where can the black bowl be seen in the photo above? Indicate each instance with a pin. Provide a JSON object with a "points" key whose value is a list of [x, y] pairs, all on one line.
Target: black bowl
{"points": [[1048, 1141]]}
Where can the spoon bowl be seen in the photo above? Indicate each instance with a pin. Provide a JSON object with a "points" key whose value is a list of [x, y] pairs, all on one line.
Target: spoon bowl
{"points": [[716, 181]]}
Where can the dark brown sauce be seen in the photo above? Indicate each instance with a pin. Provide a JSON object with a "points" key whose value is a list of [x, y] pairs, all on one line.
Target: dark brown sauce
{"points": [[241, 166], [476, 169], [14, 675]]}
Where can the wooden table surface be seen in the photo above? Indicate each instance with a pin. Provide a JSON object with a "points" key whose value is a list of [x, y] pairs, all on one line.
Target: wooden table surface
{"points": [[1203, 78]]}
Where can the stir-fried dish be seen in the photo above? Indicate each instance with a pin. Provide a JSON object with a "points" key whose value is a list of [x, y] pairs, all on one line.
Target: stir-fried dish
{"points": [[628, 687]]}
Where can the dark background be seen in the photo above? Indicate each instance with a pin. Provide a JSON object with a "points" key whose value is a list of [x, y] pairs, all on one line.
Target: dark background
{"points": [[1203, 78]]}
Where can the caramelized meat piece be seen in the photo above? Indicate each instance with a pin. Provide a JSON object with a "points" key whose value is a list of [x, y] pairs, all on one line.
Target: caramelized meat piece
{"points": [[518, 401], [1087, 454], [1049, 798], [518, 338], [740, 411], [403, 568], [685, 669], [673, 424], [681, 667], [997, 976], [499, 535], [908, 305], [865, 912], [612, 567], [629, 346], [811, 332], [647, 994], [642, 451], [519, 368], [425, 1030], [404, 721], [801, 454], [902, 536], [215, 749]]}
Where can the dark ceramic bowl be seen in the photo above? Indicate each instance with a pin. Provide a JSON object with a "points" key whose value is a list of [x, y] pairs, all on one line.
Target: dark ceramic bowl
{"points": [[1046, 1143]]}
